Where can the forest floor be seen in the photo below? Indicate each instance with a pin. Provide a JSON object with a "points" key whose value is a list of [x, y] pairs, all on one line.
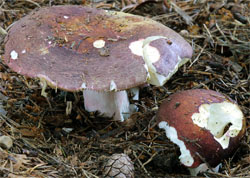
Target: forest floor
{"points": [[49, 143]]}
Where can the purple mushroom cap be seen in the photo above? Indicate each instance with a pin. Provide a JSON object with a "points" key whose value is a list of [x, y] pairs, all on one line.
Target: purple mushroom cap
{"points": [[75, 48]]}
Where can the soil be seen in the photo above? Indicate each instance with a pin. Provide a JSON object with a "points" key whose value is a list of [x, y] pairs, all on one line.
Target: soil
{"points": [[49, 143]]}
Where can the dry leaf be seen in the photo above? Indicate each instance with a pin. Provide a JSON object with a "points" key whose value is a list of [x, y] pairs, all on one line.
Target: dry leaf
{"points": [[27, 133]]}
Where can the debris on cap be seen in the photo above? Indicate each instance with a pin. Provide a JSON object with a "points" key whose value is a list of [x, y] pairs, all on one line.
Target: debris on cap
{"points": [[74, 45], [99, 52]]}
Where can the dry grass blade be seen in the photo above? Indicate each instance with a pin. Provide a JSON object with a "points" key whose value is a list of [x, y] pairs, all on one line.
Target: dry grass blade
{"points": [[2, 31], [182, 13]]}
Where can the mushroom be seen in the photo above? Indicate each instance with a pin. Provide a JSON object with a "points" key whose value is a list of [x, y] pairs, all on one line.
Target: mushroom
{"points": [[105, 54], [205, 124]]}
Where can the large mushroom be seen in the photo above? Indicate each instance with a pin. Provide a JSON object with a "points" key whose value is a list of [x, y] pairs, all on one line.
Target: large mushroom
{"points": [[205, 124], [102, 53]]}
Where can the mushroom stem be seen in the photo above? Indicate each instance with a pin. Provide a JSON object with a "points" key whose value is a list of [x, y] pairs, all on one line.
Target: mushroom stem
{"points": [[203, 168], [108, 103], [135, 93]]}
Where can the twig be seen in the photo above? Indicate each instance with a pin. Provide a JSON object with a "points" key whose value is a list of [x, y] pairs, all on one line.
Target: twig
{"points": [[209, 33], [182, 13], [227, 176], [5, 10], [5, 119], [2, 31], [33, 3], [150, 159], [196, 59], [141, 164], [87, 174]]}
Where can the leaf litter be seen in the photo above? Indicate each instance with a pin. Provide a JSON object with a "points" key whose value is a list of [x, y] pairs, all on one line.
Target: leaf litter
{"points": [[49, 143]]}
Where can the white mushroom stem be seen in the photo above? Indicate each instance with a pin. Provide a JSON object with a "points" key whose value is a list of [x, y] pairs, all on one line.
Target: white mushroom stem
{"points": [[135, 93], [108, 103], [203, 168]]}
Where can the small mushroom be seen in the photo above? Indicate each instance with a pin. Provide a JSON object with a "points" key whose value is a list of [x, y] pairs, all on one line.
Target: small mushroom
{"points": [[102, 53], [206, 125]]}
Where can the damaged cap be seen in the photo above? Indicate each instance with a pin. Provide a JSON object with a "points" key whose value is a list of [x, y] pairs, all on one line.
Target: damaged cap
{"points": [[76, 48], [206, 125]]}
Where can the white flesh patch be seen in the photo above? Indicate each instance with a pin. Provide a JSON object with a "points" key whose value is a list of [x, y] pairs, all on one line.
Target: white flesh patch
{"points": [[171, 133], [151, 55], [135, 93], [136, 47], [112, 86], [66, 17], [108, 103], [23, 51], [150, 58], [83, 86], [99, 43], [148, 74], [14, 55], [215, 117]]}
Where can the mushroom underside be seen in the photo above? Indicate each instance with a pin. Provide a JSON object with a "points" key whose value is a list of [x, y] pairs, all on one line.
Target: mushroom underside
{"points": [[110, 104], [148, 55], [116, 104]]}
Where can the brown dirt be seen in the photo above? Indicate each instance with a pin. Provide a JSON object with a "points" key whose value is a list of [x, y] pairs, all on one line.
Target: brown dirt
{"points": [[45, 146]]}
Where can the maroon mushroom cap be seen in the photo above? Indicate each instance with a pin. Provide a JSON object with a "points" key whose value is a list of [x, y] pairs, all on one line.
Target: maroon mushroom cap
{"points": [[209, 124], [75, 47]]}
